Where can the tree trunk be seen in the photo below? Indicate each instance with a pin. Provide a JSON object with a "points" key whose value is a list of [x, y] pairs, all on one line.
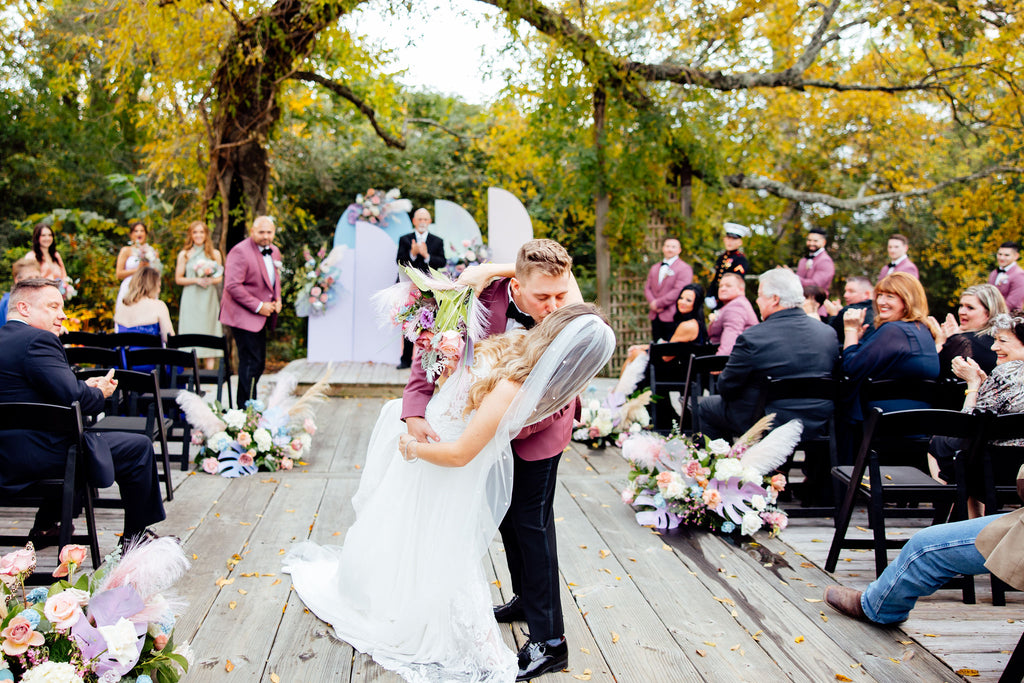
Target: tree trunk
{"points": [[601, 203]]}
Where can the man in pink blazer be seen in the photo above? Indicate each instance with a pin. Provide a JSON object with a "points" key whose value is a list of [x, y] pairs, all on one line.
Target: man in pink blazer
{"points": [[1008, 277], [666, 279], [735, 315], [816, 268], [251, 301], [899, 262], [541, 284]]}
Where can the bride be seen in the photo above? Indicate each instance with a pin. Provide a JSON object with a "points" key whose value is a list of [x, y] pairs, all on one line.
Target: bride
{"points": [[408, 587]]}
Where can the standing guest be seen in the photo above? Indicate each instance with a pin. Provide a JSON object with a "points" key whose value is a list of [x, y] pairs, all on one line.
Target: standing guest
{"points": [[142, 311], [44, 253], [968, 336], [730, 261], [421, 250], [770, 350], [899, 262], [200, 268], [666, 279], [134, 256], [858, 294], [900, 346], [735, 316], [34, 369], [22, 269], [251, 301], [816, 267], [1008, 276]]}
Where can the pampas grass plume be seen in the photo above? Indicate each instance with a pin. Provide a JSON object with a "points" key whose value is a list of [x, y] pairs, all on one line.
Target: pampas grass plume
{"points": [[199, 414]]}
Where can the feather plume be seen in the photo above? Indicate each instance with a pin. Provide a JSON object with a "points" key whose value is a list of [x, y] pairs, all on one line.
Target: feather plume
{"points": [[631, 375], [771, 451], [315, 395], [632, 409], [150, 567], [389, 300], [754, 433], [477, 320], [284, 387], [199, 414]]}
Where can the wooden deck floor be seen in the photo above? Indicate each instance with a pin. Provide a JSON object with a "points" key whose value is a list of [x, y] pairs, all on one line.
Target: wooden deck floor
{"points": [[639, 606]]}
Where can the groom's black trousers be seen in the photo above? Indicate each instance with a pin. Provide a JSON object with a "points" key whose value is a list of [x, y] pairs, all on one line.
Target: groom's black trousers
{"points": [[528, 533]]}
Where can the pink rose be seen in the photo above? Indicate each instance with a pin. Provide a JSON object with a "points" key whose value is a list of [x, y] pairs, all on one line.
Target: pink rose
{"points": [[19, 562], [309, 426], [62, 610], [160, 642], [692, 469], [315, 291], [664, 479], [246, 459], [451, 347], [197, 438], [466, 243], [424, 341], [211, 465], [324, 298], [244, 439], [712, 498], [627, 496], [19, 636], [287, 463], [776, 520], [296, 445], [73, 553], [778, 482]]}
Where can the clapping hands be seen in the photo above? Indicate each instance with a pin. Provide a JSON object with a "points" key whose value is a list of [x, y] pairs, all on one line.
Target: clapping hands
{"points": [[853, 322], [969, 371]]}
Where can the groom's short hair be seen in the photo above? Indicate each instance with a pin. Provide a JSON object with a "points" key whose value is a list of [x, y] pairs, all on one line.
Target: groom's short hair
{"points": [[542, 256]]}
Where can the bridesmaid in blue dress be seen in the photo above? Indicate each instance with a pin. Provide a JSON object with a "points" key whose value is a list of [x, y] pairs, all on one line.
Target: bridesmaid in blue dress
{"points": [[142, 310]]}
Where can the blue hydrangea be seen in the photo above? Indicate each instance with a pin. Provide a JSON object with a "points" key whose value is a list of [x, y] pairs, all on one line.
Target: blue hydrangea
{"points": [[31, 616], [143, 678], [257, 404], [37, 595], [659, 500], [728, 527]]}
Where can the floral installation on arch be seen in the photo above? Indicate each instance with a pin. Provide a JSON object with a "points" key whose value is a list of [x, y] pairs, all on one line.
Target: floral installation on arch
{"points": [[440, 317], [318, 280], [698, 482], [373, 206], [267, 436], [472, 253], [116, 625]]}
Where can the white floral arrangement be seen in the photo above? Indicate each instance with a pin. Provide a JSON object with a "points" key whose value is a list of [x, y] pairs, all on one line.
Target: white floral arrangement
{"points": [[603, 422], [373, 206]]}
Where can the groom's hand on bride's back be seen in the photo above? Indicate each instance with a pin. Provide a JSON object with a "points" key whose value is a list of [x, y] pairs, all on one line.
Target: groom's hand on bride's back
{"points": [[419, 428]]}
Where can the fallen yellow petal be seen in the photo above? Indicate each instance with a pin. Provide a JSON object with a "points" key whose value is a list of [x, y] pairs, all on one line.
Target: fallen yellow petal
{"points": [[702, 653], [276, 581], [274, 678], [604, 554], [798, 639], [242, 591], [232, 605], [229, 667], [585, 650], [615, 637], [585, 676], [221, 582], [967, 672], [812, 600], [841, 677], [929, 635]]}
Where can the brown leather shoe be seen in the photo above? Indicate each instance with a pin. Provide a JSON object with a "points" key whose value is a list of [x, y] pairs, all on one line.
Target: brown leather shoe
{"points": [[845, 600]]}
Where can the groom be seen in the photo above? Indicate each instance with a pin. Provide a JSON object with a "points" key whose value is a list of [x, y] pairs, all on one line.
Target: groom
{"points": [[542, 282]]}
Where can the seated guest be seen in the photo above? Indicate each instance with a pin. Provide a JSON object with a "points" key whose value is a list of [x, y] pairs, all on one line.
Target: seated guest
{"points": [[814, 299], [142, 310], [734, 315], [932, 557], [898, 346], [33, 368], [1001, 392], [858, 294], [787, 344], [688, 322], [22, 269], [969, 337]]}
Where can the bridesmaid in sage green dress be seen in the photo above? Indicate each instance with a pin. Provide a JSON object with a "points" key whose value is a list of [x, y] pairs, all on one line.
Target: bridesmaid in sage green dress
{"points": [[200, 270]]}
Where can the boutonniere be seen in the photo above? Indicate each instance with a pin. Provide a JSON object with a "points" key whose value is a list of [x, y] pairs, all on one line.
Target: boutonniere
{"points": [[278, 264]]}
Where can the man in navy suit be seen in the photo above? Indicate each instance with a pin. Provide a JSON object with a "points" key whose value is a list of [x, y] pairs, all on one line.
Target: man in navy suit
{"points": [[34, 369], [421, 250]]}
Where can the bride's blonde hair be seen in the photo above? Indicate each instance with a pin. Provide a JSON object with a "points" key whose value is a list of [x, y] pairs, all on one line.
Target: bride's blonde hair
{"points": [[514, 354]]}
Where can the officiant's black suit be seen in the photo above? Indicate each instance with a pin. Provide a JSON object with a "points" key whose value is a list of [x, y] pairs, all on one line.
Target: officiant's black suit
{"points": [[33, 368]]}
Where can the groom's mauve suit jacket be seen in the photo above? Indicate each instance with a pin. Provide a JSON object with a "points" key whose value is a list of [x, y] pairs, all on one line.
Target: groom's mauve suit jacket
{"points": [[539, 441]]}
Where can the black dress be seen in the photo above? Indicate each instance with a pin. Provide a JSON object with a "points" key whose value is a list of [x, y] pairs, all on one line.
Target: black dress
{"points": [[974, 345]]}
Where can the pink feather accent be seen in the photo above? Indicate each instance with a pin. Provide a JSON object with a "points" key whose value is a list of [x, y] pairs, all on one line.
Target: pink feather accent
{"points": [[149, 567]]}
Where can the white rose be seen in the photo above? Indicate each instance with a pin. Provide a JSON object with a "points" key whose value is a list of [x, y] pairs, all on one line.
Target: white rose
{"points": [[752, 476], [52, 672], [122, 641], [594, 405], [757, 502], [675, 489], [218, 442], [234, 418], [726, 468], [306, 440], [751, 523], [263, 439], [719, 447], [634, 428]]}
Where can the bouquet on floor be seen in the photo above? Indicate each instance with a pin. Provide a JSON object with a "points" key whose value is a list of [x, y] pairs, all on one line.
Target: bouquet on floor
{"points": [[439, 316], [318, 280], [695, 481], [608, 421], [267, 436], [117, 624], [472, 253], [373, 206]]}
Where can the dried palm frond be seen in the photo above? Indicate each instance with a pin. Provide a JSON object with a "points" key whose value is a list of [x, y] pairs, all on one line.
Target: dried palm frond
{"points": [[755, 432], [315, 395]]}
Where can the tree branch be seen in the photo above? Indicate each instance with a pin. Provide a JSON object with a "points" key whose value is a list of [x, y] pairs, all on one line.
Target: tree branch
{"points": [[436, 124], [346, 92], [779, 189]]}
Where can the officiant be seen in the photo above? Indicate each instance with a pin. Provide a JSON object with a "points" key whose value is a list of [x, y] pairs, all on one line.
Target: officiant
{"points": [[421, 250]]}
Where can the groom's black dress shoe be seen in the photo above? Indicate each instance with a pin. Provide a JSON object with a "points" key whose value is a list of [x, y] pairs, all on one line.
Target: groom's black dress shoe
{"points": [[536, 659], [510, 611]]}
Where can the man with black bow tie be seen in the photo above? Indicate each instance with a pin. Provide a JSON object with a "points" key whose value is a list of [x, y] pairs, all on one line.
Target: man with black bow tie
{"points": [[251, 301], [664, 282], [899, 262], [1008, 277], [816, 268]]}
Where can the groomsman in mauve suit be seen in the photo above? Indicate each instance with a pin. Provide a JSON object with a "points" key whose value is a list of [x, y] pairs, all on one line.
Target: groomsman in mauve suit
{"points": [[34, 369], [251, 301], [666, 279], [899, 262], [421, 250], [542, 282], [816, 268], [1008, 277]]}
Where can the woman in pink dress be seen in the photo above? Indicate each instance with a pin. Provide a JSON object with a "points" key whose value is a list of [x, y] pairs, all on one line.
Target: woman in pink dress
{"points": [[44, 252]]}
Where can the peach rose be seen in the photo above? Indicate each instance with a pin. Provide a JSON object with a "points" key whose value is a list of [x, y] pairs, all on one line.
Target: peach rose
{"points": [[160, 642], [211, 465], [712, 498], [243, 439], [451, 345], [71, 557], [19, 636], [247, 459], [692, 469], [778, 482], [62, 610], [287, 463], [424, 341], [664, 479], [309, 426]]}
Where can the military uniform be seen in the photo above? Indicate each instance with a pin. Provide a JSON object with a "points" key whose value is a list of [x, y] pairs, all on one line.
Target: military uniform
{"points": [[728, 262]]}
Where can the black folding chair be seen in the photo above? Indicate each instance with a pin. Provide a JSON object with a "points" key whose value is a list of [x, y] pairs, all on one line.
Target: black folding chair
{"points": [[666, 368], [890, 438], [178, 371], [1014, 671], [92, 356], [776, 393], [222, 374], [66, 422], [79, 338], [701, 374]]}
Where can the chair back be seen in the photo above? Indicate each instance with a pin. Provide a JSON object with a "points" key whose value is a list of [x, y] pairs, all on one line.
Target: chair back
{"points": [[94, 356], [667, 367], [699, 376], [925, 392], [134, 392], [999, 465], [794, 388], [79, 338], [125, 340], [61, 420], [178, 369]]}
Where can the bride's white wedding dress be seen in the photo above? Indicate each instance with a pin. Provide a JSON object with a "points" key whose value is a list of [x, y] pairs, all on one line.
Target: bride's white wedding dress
{"points": [[408, 587]]}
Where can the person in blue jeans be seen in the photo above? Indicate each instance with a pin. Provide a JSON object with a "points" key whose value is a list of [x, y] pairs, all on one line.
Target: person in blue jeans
{"points": [[932, 557]]}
